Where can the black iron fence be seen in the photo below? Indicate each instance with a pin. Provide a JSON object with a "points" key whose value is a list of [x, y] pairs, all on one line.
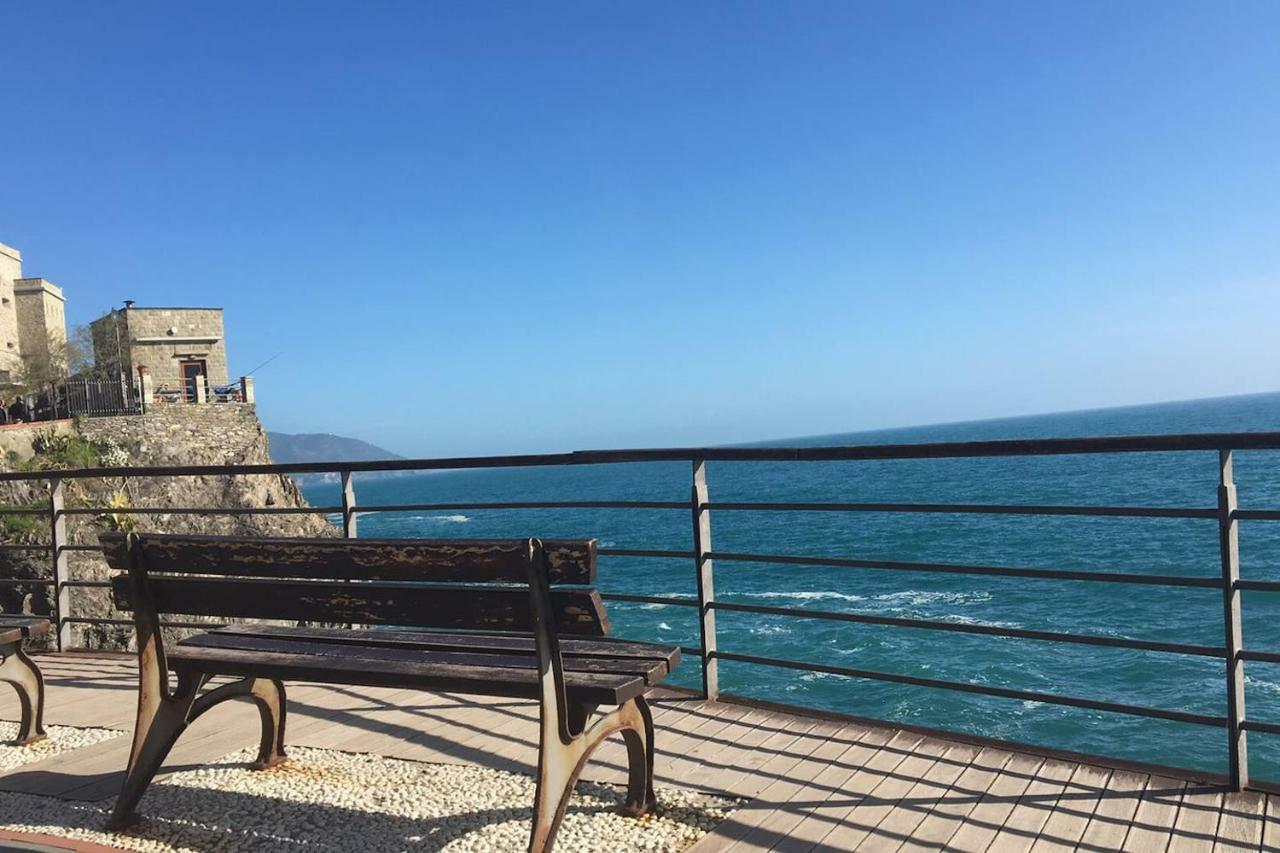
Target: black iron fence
{"points": [[1223, 508]]}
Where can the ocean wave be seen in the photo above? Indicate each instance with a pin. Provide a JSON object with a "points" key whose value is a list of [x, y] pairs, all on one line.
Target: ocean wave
{"points": [[663, 626], [443, 519], [769, 630], [915, 598], [809, 596]]}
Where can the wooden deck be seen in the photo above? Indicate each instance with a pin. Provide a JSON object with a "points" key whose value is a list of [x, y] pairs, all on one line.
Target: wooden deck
{"points": [[812, 784]]}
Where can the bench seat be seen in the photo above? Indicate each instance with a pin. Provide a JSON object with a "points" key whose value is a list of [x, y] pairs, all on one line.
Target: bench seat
{"points": [[597, 671], [14, 629]]}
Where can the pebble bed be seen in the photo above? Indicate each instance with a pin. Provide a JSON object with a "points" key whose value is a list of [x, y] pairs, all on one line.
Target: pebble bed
{"points": [[60, 739], [325, 800]]}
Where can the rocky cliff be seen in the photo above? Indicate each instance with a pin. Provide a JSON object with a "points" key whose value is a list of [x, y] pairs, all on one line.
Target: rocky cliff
{"points": [[213, 434]]}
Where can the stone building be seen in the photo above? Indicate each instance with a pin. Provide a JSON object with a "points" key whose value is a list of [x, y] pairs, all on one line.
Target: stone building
{"points": [[33, 323], [180, 347]]}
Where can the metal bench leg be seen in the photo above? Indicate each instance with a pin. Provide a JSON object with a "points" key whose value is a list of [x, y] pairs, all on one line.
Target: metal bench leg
{"points": [[269, 696], [20, 671], [560, 763], [639, 739], [161, 719]]}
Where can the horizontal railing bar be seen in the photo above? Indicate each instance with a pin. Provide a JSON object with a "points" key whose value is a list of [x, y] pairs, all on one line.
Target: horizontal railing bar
{"points": [[694, 651], [152, 510], [1260, 656], [25, 581], [643, 552], [1258, 586], [1258, 514], [964, 449], [981, 509], [964, 628], [994, 571], [85, 549], [649, 599], [1259, 726], [682, 505], [87, 584], [966, 687]]}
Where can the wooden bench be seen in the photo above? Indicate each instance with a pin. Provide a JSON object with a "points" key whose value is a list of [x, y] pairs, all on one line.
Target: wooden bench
{"points": [[487, 619], [21, 671]]}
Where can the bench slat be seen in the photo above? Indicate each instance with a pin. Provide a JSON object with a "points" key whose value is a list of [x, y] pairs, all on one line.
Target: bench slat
{"points": [[440, 560], [576, 611], [595, 688], [606, 647], [14, 628], [652, 671]]}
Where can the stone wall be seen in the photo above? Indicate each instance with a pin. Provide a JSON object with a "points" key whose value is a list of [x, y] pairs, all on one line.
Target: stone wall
{"points": [[18, 438], [225, 433], [183, 434]]}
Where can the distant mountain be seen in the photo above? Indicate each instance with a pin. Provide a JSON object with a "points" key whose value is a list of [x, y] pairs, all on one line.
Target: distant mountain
{"points": [[324, 447]]}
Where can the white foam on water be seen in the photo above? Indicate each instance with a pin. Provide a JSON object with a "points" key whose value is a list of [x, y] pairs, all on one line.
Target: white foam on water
{"points": [[769, 630], [914, 597], [449, 519], [809, 596], [663, 626]]}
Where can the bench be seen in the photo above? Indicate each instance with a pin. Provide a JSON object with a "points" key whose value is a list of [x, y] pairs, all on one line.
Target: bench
{"points": [[513, 618], [21, 671]]}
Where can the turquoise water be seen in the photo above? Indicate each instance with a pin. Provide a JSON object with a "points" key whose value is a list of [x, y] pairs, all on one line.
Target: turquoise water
{"points": [[1166, 546]]}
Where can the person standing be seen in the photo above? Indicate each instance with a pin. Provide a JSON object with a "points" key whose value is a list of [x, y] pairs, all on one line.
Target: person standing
{"points": [[18, 412]]}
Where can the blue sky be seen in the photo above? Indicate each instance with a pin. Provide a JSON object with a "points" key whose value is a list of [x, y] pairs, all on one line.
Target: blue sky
{"points": [[477, 228]]}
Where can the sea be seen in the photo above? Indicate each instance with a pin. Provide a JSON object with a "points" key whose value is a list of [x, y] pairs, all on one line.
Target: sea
{"points": [[1165, 546]]}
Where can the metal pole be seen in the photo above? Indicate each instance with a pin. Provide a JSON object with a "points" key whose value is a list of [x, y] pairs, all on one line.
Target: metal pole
{"points": [[61, 571], [348, 506], [706, 580], [1229, 545]]}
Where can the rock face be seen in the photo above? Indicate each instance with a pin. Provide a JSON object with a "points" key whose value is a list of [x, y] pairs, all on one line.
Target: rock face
{"points": [[213, 434]]}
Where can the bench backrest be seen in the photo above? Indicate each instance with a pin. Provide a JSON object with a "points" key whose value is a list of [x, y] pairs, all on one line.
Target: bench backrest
{"points": [[455, 584]]}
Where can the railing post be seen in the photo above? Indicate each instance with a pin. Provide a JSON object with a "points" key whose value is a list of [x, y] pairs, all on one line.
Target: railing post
{"points": [[348, 506], [1229, 545], [706, 584], [61, 571]]}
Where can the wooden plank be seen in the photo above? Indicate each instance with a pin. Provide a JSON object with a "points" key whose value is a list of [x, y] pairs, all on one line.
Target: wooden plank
{"points": [[578, 647], [19, 627], [859, 824], [1153, 823], [992, 809], [1242, 821], [593, 688], [948, 815], [460, 655], [819, 776], [1271, 828], [1070, 818], [767, 827], [1196, 825], [787, 747], [464, 560], [852, 776], [1032, 810], [1110, 822], [900, 824], [576, 611]]}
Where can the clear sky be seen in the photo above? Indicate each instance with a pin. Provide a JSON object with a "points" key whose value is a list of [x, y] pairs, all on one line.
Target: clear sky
{"points": [[477, 228]]}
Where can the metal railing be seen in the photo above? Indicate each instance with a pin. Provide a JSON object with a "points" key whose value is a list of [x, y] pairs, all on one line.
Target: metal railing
{"points": [[703, 556]]}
